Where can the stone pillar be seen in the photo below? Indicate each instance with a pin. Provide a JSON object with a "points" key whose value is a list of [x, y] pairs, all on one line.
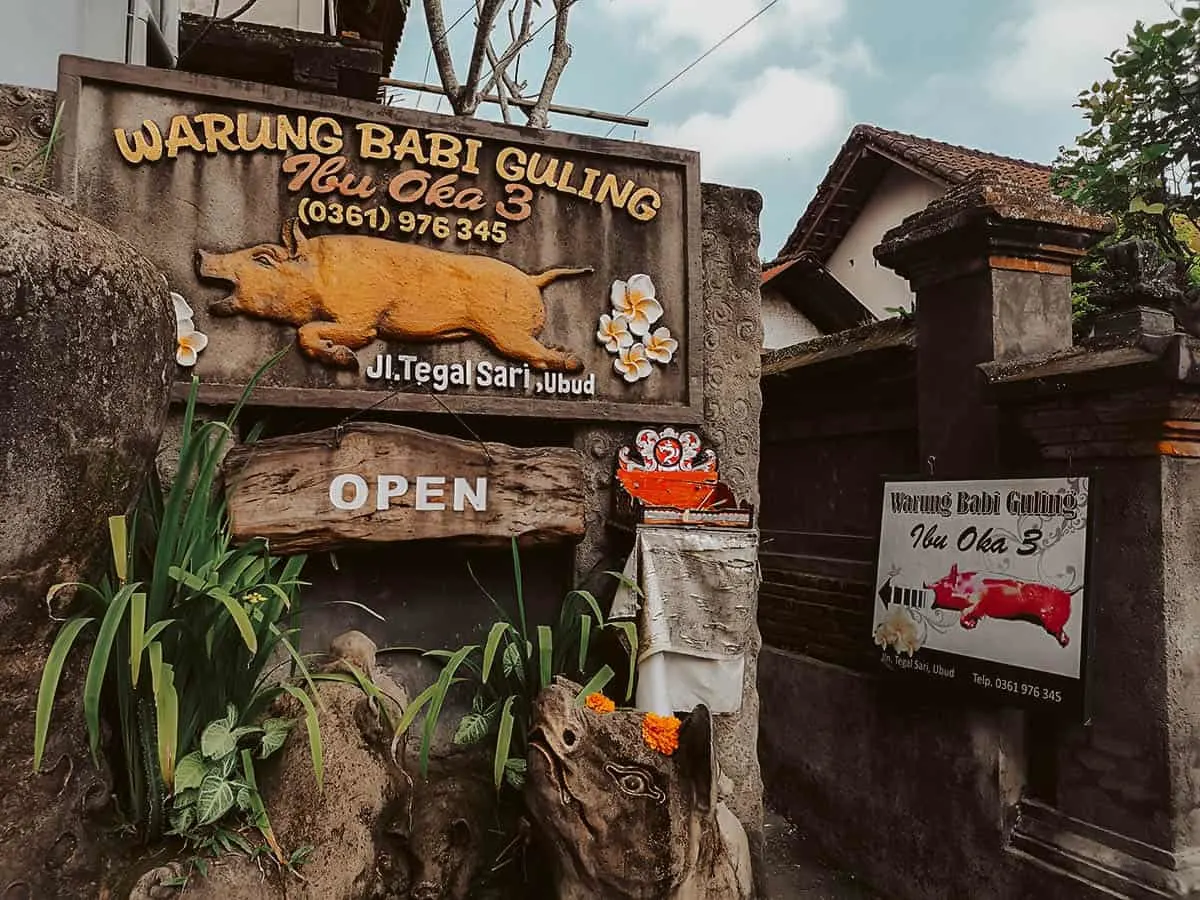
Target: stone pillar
{"points": [[990, 264], [1123, 811], [732, 345]]}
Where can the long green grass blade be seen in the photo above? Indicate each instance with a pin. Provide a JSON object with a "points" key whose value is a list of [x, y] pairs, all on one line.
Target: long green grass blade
{"points": [[98, 666], [57, 589], [631, 636], [118, 537], [588, 598], [545, 654], [520, 589], [298, 663], [252, 384], [597, 683], [585, 636], [166, 712], [503, 742], [155, 631], [414, 708], [137, 634], [51, 673], [261, 821], [499, 629], [500, 610], [439, 698], [236, 611], [314, 733]]}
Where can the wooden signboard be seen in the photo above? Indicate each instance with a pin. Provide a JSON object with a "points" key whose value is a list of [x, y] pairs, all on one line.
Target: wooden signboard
{"points": [[373, 482], [409, 260]]}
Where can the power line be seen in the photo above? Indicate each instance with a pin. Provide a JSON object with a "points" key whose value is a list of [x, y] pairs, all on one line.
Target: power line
{"points": [[703, 56]]}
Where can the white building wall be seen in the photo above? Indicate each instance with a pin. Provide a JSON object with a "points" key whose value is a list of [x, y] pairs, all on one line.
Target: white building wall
{"points": [[37, 32], [783, 324], [302, 15], [900, 194]]}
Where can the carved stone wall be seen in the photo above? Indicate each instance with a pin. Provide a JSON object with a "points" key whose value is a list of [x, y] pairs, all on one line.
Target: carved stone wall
{"points": [[26, 127], [732, 402], [732, 333]]}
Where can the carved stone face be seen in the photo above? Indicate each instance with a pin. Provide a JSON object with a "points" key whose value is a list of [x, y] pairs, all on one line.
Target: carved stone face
{"points": [[625, 820]]}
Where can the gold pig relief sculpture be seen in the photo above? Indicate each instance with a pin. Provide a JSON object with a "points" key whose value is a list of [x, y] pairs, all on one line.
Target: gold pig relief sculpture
{"points": [[341, 292]]}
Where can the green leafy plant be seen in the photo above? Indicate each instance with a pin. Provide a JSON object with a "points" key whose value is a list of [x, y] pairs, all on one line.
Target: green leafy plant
{"points": [[510, 669], [1139, 159], [186, 631], [219, 777]]}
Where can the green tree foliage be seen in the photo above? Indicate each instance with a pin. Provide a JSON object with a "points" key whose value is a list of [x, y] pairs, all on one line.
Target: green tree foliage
{"points": [[1139, 159]]}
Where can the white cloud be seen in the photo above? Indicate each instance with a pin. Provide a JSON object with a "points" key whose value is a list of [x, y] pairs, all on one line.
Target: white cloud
{"points": [[781, 114], [1057, 48], [704, 22]]}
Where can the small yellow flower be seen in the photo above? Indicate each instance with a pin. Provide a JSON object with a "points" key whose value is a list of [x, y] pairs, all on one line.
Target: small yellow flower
{"points": [[660, 346], [661, 733], [254, 598], [631, 363], [598, 703], [634, 299]]}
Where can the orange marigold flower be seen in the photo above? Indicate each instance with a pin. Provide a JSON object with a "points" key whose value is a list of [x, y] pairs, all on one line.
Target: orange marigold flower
{"points": [[598, 703], [661, 733]]}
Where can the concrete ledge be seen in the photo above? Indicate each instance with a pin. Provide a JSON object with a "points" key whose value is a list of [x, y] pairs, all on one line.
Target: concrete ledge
{"points": [[1102, 859]]}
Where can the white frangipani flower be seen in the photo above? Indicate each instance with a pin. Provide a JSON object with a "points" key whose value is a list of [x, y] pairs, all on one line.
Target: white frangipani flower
{"points": [[660, 346], [631, 363], [614, 333], [182, 310], [635, 300], [189, 343]]}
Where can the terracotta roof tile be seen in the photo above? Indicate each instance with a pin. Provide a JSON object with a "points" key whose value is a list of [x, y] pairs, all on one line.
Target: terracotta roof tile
{"points": [[953, 163], [865, 159]]}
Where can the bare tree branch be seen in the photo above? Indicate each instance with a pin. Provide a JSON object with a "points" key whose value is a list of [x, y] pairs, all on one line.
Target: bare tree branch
{"points": [[560, 55], [466, 96], [500, 85], [436, 20], [488, 10], [520, 40]]}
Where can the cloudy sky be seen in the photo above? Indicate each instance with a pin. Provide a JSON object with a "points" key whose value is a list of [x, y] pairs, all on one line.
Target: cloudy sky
{"points": [[771, 107]]}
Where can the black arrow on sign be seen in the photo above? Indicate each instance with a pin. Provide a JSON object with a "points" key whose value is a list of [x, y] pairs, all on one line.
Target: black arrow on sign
{"points": [[885, 593]]}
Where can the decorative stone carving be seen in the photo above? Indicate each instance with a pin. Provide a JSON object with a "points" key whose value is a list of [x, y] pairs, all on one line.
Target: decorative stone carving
{"points": [[628, 821], [1136, 273], [732, 334], [87, 346], [26, 126]]}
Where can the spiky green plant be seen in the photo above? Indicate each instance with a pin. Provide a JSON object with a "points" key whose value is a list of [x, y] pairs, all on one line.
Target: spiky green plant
{"points": [[510, 669], [185, 627]]}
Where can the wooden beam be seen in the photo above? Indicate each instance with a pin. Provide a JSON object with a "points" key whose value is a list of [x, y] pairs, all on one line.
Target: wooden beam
{"points": [[378, 483], [578, 111]]}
